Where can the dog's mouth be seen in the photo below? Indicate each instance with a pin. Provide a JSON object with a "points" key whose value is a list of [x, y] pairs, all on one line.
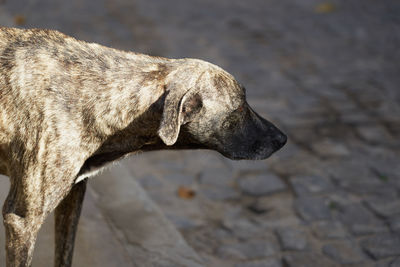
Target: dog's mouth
{"points": [[257, 151], [251, 144]]}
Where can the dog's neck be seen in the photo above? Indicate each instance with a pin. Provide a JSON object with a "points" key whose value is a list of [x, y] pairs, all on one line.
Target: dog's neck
{"points": [[125, 105], [127, 86], [126, 115]]}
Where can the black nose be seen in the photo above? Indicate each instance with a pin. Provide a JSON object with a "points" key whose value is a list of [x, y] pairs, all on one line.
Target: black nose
{"points": [[279, 141]]}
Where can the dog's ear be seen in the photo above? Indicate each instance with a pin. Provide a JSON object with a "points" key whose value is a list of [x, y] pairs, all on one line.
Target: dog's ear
{"points": [[179, 108]]}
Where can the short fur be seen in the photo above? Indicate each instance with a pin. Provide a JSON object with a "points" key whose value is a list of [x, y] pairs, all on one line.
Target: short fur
{"points": [[68, 107]]}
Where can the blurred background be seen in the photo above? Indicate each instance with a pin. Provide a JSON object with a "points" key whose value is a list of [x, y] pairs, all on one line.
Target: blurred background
{"points": [[326, 72]]}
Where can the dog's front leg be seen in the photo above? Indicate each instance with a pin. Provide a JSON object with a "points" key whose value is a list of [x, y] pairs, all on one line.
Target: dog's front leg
{"points": [[66, 222], [34, 193], [23, 214]]}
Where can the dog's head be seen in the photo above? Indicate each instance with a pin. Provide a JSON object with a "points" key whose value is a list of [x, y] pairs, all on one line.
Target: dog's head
{"points": [[205, 107]]}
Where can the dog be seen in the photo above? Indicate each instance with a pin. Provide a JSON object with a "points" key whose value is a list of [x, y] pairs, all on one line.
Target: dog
{"points": [[68, 108]]}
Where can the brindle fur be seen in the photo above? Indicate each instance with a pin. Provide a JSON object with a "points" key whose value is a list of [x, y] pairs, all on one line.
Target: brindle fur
{"points": [[68, 107]]}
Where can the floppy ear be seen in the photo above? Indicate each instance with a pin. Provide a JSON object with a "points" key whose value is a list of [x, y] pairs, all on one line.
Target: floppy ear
{"points": [[179, 106]]}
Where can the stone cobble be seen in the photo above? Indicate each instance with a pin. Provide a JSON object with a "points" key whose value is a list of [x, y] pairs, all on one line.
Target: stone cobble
{"points": [[382, 245], [329, 230], [343, 252], [292, 239], [261, 185], [326, 72]]}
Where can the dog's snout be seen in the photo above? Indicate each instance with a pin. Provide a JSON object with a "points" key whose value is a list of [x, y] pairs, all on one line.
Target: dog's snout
{"points": [[279, 141], [282, 138]]}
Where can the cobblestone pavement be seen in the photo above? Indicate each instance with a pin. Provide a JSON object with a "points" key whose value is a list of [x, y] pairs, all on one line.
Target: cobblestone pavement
{"points": [[328, 73]]}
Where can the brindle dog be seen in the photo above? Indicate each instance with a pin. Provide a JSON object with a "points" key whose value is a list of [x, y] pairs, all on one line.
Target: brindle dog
{"points": [[69, 107]]}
